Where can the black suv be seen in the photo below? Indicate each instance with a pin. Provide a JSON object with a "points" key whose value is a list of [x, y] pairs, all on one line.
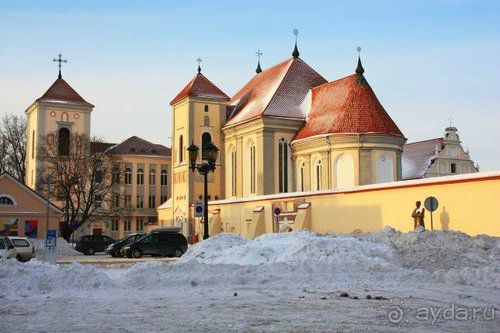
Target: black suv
{"points": [[161, 242], [116, 249], [90, 244]]}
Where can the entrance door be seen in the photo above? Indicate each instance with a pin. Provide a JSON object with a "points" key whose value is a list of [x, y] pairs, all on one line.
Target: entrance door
{"points": [[97, 232]]}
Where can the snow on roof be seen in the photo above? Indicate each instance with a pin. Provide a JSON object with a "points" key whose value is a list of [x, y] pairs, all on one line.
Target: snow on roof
{"points": [[346, 106], [138, 146], [372, 187], [278, 91], [167, 204], [200, 86], [61, 92], [417, 157]]}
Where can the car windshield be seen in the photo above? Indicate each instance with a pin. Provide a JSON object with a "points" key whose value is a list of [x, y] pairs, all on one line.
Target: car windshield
{"points": [[2, 244]]}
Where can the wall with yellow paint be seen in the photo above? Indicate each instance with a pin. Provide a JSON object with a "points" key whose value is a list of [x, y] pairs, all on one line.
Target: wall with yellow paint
{"points": [[467, 203]]}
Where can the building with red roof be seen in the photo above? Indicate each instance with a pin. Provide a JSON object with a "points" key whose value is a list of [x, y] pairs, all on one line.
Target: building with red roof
{"points": [[287, 129]]}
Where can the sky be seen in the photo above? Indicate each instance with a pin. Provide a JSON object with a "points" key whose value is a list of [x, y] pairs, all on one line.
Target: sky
{"points": [[427, 61]]}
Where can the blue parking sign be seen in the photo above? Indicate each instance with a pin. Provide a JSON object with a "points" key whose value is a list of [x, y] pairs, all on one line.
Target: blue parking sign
{"points": [[51, 238]]}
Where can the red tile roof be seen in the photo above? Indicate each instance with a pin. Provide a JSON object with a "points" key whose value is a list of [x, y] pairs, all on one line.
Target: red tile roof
{"points": [[137, 146], [61, 91], [200, 86], [346, 106], [278, 91], [417, 157]]}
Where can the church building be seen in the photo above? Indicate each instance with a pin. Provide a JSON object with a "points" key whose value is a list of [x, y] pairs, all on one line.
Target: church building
{"points": [[287, 129]]}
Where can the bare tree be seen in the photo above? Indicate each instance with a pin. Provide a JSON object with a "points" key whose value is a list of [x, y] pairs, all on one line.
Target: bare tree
{"points": [[13, 146], [82, 179]]}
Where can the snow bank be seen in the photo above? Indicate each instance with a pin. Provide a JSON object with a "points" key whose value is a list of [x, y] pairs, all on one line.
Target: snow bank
{"points": [[35, 278], [63, 248], [296, 260]]}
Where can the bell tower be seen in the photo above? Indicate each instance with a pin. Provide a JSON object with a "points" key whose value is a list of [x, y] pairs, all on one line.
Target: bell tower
{"points": [[54, 117], [198, 114]]}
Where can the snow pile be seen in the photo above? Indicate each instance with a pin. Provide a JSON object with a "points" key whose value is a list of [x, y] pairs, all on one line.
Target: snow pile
{"points": [[450, 256], [297, 260], [35, 277], [63, 248]]}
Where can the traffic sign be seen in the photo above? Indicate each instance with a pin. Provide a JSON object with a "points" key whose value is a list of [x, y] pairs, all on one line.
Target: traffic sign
{"points": [[74, 225], [199, 208], [431, 204], [277, 211], [51, 238]]}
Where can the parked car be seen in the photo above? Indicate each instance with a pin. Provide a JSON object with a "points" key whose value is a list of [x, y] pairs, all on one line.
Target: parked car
{"points": [[7, 249], [116, 249], [90, 244], [160, 242], [24, 249]]}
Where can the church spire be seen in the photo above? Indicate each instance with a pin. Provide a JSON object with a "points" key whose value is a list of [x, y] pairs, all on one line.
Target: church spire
{"points": [[295, 52], [199, 64], [361, 81], [258, 70], [59, 60]]}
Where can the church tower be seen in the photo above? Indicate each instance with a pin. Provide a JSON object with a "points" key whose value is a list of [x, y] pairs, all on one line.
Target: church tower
{"points": [[54, 117], [199, 112]]}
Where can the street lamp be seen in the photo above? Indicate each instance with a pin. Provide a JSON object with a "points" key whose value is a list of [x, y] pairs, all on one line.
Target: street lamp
{"points": [[208, 156]]}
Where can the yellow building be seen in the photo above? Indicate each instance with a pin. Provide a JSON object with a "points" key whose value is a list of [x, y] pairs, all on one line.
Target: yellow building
{"points": [[287, 129], [142, 173]]}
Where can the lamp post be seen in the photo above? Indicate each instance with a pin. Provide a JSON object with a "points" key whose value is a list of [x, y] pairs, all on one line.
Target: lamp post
{"points": [[208, 157]]}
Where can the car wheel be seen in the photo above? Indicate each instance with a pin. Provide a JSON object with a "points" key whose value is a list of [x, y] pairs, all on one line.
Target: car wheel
{"points": [[178, 253], [90, 252], [19, 258], [136, 253]]}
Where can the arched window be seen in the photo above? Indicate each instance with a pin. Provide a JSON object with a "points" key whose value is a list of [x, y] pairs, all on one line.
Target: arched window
{"points": [[33, 144], [206, 138], [181, 149], [152, 177], [283, 165], [252, 167], [6, 201], [128, 176], [164, 178], [140, 177], [319, 175], [344, 171], [302, 168], [206, 108], [63, 141], [116, 175], [64, 116], [206, 121], [233, 172]]}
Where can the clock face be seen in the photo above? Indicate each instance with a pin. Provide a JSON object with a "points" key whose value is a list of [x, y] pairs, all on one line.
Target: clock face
{"points": [[53, 114]]}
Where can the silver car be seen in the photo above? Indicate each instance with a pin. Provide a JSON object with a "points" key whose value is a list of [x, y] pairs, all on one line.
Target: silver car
{"points": [[7, 249], [24, 249]]}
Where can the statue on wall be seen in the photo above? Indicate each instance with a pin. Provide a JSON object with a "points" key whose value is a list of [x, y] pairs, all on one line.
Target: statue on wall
{"points": [[418, 215]]}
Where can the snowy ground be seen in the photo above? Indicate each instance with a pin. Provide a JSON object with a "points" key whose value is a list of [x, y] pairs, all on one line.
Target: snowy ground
{"points": [[296, 282]]}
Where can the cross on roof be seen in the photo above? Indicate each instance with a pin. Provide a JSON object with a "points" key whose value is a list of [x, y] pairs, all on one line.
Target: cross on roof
{"points": [[359, 50], [258, 53], [59, 60], [450, 119], [198, 60]]}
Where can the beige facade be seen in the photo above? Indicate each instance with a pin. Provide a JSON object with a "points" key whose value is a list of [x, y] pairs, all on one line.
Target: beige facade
{"points": [[144, 184], [23, 212], [195, 118]]}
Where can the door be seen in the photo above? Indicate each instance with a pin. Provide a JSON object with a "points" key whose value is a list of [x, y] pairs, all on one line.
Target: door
{"points": [[149, 245], [97, 232]]}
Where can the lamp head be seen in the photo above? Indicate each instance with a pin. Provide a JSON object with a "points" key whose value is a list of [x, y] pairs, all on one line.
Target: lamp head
{"points": [[193, 155]]}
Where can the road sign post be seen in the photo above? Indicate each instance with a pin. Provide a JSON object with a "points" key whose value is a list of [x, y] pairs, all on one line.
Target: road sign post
{"points": [[431, 204], [51, 246], [277, 212], [199, 208]]}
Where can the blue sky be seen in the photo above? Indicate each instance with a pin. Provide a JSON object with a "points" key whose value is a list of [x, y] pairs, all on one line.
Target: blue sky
{"points": [[426, 60]]}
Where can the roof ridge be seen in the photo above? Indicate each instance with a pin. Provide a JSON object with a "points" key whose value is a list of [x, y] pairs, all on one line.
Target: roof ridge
{"points": [[292, 61], [422, 141]]}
